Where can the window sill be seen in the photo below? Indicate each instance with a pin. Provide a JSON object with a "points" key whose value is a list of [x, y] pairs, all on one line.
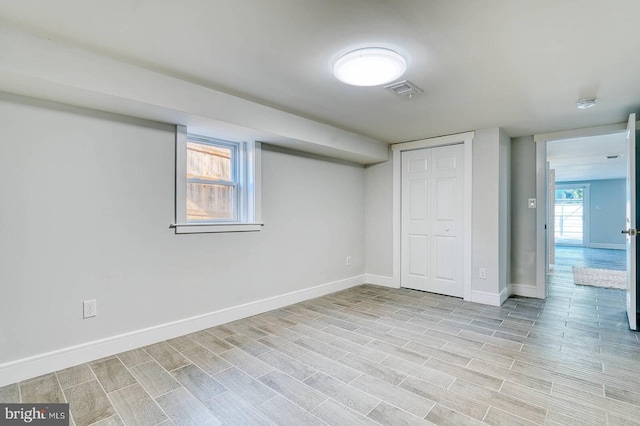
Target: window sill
{"points": [[208, 228]]}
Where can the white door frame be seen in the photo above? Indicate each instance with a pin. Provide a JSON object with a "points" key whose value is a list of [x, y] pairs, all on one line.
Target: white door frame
{"points": [[542, 213], [462, 138]]}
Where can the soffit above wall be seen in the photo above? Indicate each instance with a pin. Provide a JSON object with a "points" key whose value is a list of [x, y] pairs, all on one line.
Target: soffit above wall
{"points": [[37, 67]]}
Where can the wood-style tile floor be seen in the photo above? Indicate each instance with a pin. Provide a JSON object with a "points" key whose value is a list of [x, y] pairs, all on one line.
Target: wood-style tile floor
{"points": [[373, 355]]}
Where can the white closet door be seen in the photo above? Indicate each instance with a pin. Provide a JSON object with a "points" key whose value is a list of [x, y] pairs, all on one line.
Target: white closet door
{"points": [[432, 220]]}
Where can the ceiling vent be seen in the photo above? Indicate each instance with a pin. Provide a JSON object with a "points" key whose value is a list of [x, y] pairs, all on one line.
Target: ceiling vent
{"points": [[403, 88]]}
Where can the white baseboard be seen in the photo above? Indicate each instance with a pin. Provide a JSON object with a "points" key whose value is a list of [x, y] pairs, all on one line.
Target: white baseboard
{"points": [[607, 246], [486, 298], [524, 290], [37, 365], [504, 294], [381, 281]]}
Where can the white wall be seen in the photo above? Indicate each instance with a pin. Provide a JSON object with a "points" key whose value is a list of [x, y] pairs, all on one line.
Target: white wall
{"points": [[87, 200], [490, 238], [379, 222], [523, 224], [504, 211]]}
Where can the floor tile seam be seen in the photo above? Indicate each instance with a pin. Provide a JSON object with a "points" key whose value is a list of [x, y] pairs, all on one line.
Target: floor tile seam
{"points": [[207, 400], [293, 402], [18, 384], [546, 413], [373, 408], [581, 421], [351, 409], [204, 348], [168, 417], [109, 397], [608, 413], [68, 387], [636, 406], [327, 374], [148, 391], [55, 373], [128, 386], [302, 382], [571, 416], [95, 377], [185, 336], [353, 388], [132, 366], [443, 403], [231, 365], [399, 408], [498, 392], [433, 404], [559, 393], [561, 396], [546, 398]]}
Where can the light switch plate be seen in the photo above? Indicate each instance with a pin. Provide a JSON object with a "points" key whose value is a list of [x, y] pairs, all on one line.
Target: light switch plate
{"points": [[532, 203]]}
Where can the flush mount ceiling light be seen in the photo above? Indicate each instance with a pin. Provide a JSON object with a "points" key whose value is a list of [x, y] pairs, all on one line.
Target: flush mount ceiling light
{"points": [[370, 66], [586, 103]]}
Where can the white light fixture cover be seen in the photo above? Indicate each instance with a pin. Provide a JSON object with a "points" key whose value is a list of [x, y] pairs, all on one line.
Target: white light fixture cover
{"points": [[371, 66]]}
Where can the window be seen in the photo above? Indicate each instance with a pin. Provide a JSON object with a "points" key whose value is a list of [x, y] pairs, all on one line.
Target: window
{"points": [[216, 185], [570, 214]]}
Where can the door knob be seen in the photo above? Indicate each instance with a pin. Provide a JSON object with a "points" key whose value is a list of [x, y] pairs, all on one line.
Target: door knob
{"points": [[631, 232]]}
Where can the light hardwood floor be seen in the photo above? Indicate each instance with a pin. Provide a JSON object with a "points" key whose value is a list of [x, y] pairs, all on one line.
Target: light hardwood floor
{"points": [[373, 355]]}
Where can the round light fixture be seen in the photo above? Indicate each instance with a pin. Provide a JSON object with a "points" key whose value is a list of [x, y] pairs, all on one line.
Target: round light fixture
{"points": [[586, 103], [370, 66]]}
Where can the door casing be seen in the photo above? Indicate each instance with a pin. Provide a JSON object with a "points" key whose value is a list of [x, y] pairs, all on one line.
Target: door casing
{"points": [[462, 138], [542, 192], [433, 237]]}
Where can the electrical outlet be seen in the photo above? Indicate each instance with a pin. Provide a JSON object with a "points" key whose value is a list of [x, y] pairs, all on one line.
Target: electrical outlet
{"points": [[348, 261], [89, 308], [482, 273]]}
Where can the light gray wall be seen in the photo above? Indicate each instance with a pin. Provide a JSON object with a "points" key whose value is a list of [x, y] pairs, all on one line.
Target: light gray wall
{"points": [[523, 219], [87, 199], [490, 221], [378, 219], [607, 204], [504, 211]]}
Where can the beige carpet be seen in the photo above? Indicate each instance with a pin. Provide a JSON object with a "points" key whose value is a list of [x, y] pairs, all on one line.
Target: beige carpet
{"points": [[600, 277]]}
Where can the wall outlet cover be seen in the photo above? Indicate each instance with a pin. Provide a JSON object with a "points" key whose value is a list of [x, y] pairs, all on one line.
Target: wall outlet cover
{"points": [[89, 308]]}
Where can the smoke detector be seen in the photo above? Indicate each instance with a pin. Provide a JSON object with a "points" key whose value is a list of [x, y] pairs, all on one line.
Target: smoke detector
{"points": [[403, 88]]}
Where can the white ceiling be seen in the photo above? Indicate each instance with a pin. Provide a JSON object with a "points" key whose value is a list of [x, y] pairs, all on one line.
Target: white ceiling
{"points": [[519, 65], [585, 158]]}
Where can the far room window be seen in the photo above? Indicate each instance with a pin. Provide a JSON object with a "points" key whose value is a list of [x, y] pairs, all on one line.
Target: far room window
{"points": [[217, 189]]}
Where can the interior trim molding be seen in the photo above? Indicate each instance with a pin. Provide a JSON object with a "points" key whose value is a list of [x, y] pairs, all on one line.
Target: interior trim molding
{"points": [[608, 246], [542, 264], [26, 368], [381, 281], [524, 290], [462, 138], [493, 299]]}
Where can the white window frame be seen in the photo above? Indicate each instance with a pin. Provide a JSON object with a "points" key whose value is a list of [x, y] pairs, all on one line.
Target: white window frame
{"points": [[246, 179]]}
